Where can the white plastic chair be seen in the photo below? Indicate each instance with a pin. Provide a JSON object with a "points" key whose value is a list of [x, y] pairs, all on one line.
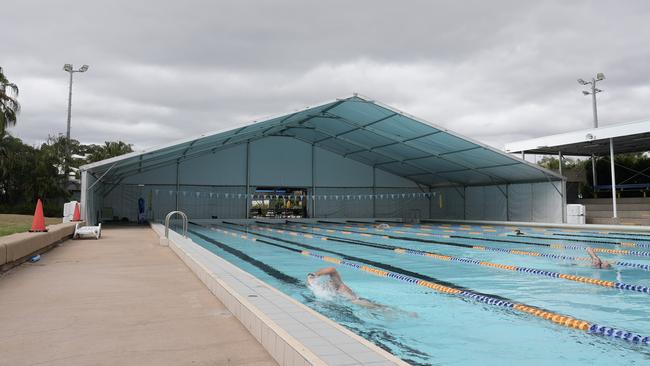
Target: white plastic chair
{"points": [[95, 231]]}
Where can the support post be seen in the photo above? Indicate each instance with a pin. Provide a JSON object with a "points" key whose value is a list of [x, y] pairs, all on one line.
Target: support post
{"points": [[611, 162], [374, 192], [523, 155], [313, 182], [430, 203], [563, 188], [593, 174], [177, 182], [507, 203], [248, 180], [84, 195], [464, 202]]}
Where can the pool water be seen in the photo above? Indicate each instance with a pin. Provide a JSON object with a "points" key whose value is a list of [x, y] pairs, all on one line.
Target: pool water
{"points": [[426, 327]]}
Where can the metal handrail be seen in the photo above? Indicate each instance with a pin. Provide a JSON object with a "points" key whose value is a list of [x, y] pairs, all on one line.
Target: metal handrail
{"points": [[169, 216]]}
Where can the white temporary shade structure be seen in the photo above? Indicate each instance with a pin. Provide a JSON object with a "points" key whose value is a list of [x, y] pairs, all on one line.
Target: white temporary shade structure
{"points": [[606, 140]]}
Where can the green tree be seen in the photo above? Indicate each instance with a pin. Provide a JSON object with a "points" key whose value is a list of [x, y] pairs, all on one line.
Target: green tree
{"points": [[9, 106], [110, 149], [552, 163], [28, 173]]}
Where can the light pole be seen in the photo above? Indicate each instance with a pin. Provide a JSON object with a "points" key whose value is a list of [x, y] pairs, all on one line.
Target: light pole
{"points": [[70, 69], [599, 77]]}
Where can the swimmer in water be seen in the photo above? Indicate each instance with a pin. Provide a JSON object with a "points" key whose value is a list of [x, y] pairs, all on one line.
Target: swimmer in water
{"points": [[518, 232], [596, 262], [335, 284], [382, 226]]}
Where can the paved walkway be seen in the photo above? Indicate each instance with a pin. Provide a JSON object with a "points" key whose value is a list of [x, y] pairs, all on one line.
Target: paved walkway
{"points": [[120, 300]]}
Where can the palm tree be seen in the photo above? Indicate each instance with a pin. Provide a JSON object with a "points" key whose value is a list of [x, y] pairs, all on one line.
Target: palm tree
{"points": [[9, 106]]}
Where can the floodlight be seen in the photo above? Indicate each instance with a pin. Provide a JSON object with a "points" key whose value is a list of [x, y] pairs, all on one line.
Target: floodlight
{"points": [[582, 82], [597, 90], [83, 68], [67, 67], [600, 76], [585, 92]]}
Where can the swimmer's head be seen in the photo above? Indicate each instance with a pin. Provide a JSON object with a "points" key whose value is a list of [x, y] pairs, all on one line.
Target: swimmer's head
{"points": [[320, 286], [310, 278]]}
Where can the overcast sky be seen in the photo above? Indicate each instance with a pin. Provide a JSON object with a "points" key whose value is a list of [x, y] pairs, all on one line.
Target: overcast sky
{"points": [[497, 71]]}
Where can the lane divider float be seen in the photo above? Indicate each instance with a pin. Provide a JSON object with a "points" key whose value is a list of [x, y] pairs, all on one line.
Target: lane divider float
{"points": [[559, 319], [534, 271]]}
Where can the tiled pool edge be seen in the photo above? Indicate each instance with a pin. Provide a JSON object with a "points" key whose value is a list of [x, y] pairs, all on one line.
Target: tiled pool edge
{"points": [[285, 348]]}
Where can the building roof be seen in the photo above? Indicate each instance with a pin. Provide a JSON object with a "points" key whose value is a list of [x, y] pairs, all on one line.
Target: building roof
{"points": [[628, 137], [360, 129]]}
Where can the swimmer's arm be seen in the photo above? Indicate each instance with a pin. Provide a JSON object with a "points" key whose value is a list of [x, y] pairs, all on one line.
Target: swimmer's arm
{"points": [[330, 271], [326, 271], [593, 255]]}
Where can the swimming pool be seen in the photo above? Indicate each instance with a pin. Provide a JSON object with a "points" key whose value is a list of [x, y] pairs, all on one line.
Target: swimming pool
{"points": [[481, 293]]}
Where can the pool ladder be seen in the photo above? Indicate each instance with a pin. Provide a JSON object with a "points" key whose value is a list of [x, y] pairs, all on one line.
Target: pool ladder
{"points": [[167, 218]]}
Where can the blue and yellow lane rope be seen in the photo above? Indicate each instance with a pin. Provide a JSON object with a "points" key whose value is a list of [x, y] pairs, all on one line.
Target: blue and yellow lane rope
{"points": [[552, 246], [520, 252], [533, 271], [484, 229], [567, 321], [512, 251], [560, 319]]}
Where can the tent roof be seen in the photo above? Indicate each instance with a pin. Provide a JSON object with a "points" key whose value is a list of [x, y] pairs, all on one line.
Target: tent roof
{"points": [[362, 130], [628, 137]]}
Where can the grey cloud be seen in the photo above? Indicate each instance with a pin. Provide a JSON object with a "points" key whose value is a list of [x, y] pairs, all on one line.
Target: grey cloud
{"points": [[495, 71]]}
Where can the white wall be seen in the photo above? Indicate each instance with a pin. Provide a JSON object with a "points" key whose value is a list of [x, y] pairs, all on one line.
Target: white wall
{"points": [[284, 161], [536, 202], [274, 161]]}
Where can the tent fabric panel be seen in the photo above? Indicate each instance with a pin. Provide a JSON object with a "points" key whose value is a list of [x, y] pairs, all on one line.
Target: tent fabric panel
{"points": [[305, 133], [518, 172], [441, 143], [469, 177], [402, 169], [478, 158], [401, 152], [329, 125], [403, 127], [360, 111], [370, 156], [337, 146], [436, 164], [367, 139], [348, 127]]}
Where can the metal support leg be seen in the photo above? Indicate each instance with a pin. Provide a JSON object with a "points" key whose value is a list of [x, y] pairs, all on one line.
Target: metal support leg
{"points": [[248, 201], [611, 161], [374, 192], [313, 181], [177, 183], [593, 174]]}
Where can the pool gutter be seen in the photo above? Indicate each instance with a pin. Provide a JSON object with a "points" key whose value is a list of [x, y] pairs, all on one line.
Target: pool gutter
{"points": [[291, 332]]}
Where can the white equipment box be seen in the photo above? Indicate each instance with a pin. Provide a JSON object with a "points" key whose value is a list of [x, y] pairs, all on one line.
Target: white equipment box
{"points": [[576, 214], [68, 210]]}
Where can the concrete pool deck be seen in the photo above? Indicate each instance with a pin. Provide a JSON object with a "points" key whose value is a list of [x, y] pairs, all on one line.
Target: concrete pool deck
{"points": [[119, 300]]}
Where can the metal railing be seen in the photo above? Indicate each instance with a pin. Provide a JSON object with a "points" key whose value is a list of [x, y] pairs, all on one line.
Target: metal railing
{"points": [[169, 216]]}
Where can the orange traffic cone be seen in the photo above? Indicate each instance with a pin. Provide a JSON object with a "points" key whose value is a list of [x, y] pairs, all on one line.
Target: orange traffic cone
{"points": [[77, 214], [38, 225]]}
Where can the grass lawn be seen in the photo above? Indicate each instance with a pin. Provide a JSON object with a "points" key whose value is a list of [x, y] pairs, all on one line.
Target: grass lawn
{"points": [[10, 224]]}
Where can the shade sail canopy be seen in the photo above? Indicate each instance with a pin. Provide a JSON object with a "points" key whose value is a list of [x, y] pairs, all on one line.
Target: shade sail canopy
{"points": [[628, 137], [360, 129]]}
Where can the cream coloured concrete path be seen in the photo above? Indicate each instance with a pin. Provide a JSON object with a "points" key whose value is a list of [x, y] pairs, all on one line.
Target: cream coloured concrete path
{"points": [[120, 300]]}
